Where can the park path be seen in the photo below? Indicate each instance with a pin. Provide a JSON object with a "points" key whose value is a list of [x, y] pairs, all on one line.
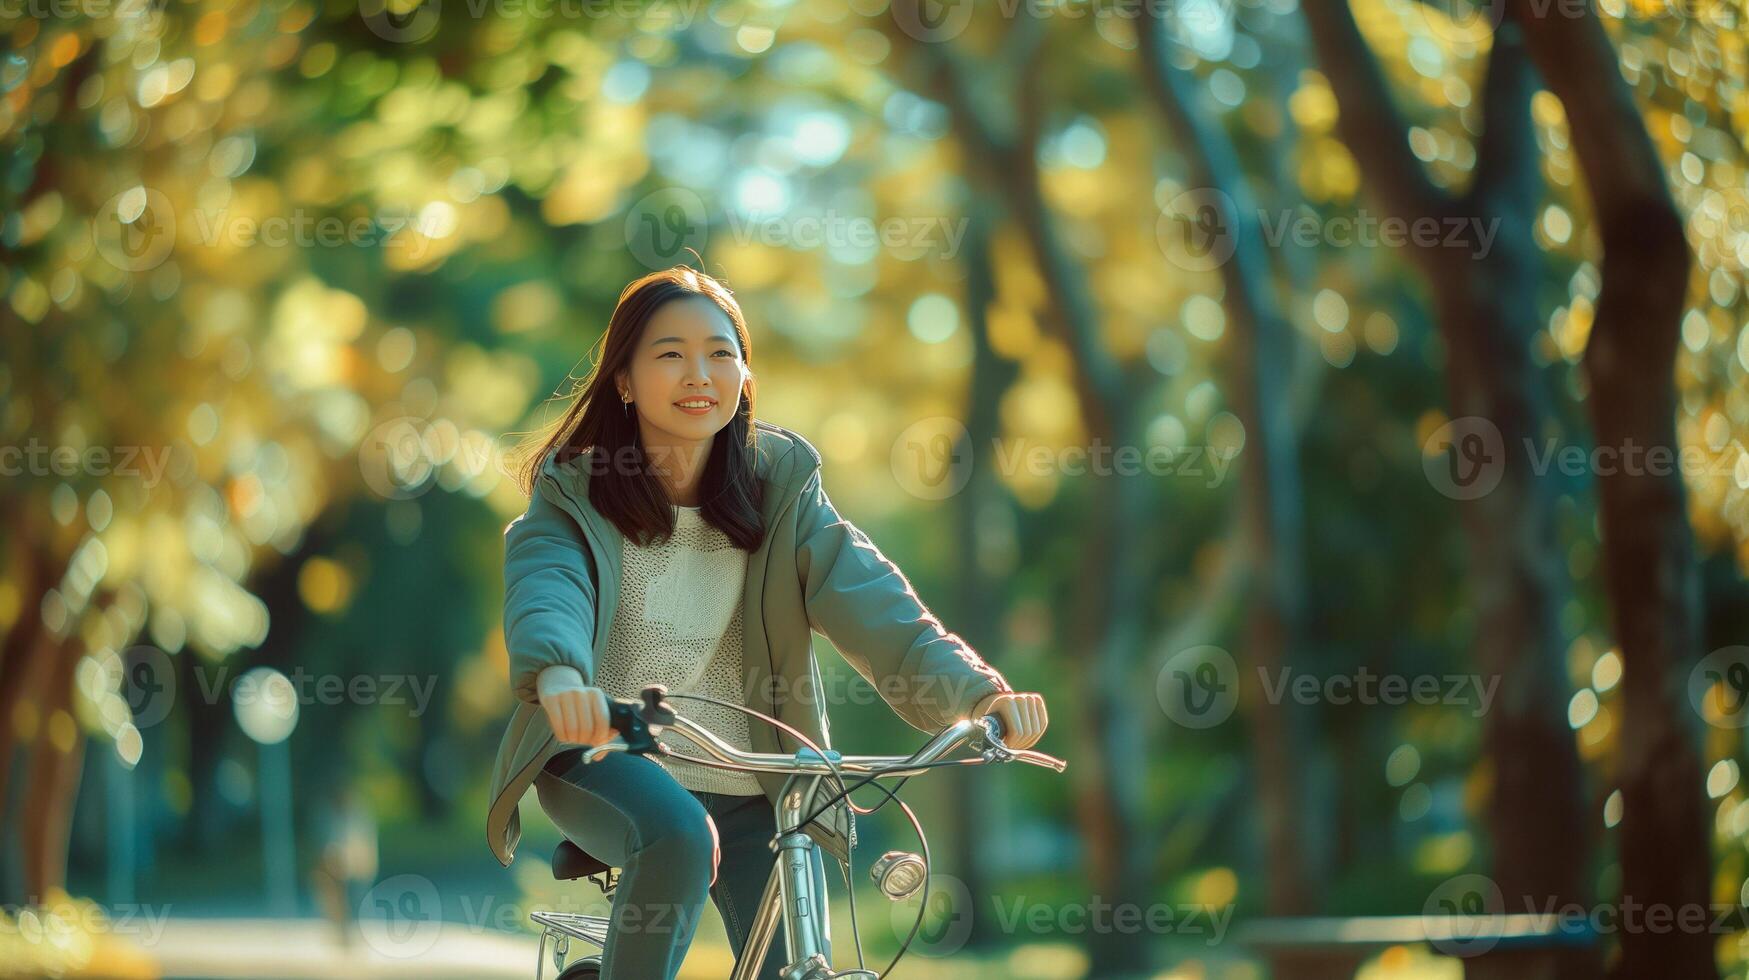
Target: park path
{"points": [[313, 949]]}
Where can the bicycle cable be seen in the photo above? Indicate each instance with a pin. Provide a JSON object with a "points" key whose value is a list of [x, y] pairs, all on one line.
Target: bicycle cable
{"points": [[837, 777], [922, 841], [891, 793], [844, 794]]}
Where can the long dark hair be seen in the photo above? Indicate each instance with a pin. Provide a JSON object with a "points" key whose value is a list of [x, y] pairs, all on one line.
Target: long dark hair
{"points": [[597, 432]]}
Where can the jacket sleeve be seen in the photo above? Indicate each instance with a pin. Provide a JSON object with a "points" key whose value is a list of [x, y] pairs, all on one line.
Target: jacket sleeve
{"points": [[549, 597], [860, 601]]}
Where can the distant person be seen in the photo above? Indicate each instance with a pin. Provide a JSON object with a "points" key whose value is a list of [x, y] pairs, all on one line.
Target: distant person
{"points": [[671, 539], [348, 859]]}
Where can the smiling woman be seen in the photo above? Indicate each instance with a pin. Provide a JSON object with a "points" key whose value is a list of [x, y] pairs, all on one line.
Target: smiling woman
{"points": [[672, 377], [729, 554], [687, 364]]}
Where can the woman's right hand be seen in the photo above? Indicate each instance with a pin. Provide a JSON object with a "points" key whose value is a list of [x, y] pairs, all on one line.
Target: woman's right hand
{"points": [[576, 712]]}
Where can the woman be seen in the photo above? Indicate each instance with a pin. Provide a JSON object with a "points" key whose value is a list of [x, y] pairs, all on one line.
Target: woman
{"points": [[672, 539]]}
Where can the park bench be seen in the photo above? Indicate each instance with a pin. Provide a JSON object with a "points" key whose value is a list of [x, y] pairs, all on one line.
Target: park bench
{"points": [[1492, 947]]}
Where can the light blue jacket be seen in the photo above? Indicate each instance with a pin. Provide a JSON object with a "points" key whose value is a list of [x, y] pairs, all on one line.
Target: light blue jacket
{"points": [[814, 570]]}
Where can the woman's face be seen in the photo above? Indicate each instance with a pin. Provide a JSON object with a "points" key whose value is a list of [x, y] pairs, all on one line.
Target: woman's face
{"points": [[687, 357]]}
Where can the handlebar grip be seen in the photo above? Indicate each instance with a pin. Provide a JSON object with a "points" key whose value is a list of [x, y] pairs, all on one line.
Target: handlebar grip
{"points": [[623, 716], [633, 720]]}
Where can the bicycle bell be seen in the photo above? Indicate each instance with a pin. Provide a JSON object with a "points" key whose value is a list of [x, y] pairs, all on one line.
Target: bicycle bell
{"points": [[899, 873]]}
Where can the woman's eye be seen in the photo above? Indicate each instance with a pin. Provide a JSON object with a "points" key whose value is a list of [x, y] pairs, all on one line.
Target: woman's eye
{"points": [[675, 353]]}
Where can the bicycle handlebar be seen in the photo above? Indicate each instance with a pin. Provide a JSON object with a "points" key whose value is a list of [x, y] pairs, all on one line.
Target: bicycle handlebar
{"points": [[639, 724]]}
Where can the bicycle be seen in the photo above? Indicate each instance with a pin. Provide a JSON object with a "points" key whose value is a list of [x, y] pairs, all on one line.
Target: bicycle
{"points": [[789, 890]]}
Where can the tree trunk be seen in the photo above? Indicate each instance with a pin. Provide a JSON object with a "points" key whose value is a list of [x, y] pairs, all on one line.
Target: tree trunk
{"points": [[56, 756], [1259, 362], [979, 609], [1648, 550], [26, 656], [1485, 306], [19, 656], [1540, 834], [1111, 583], [1110, 596]]}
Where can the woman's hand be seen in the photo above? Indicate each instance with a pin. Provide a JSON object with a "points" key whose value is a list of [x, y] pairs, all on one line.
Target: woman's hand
{"points": [[576, 712], [1023, 717]]}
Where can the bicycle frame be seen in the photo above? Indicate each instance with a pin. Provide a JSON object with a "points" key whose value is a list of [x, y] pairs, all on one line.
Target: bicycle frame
{"points": [[789, 891]]}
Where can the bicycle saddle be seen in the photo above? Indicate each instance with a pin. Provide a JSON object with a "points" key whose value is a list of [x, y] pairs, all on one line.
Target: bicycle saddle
{"points": [[571, 862]]}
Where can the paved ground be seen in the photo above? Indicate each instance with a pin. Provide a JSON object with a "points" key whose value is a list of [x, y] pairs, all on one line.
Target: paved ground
{"points": [[313, 949], [307, 949]]}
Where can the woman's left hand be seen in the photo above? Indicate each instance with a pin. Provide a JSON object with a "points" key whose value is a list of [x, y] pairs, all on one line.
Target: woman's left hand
{"points": [[1023, 717]]}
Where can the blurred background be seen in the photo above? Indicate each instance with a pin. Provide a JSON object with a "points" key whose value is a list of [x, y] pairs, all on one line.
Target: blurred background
{"points": [[1334, 410]]}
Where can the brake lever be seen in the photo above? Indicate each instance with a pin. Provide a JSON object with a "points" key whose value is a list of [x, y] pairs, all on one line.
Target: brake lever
{"points": [[993, 750], [1041, 759], [594, 753], [990, 746]]}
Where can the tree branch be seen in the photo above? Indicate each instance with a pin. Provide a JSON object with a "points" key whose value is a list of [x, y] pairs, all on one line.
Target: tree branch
{"points": [[1023, 50], [1506, 172], [1637, 219], [1101, 384], [1368, 121]]}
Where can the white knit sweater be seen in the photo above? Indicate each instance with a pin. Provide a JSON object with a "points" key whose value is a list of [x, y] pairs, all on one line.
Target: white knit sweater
{"points": [[678, 623]]}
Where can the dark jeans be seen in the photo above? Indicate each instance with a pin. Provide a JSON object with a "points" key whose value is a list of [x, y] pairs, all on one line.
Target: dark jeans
{"points": [[669, 844]]}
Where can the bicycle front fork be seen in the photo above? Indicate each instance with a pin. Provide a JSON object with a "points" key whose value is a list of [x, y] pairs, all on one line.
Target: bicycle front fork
{"points": [[791, 892]]}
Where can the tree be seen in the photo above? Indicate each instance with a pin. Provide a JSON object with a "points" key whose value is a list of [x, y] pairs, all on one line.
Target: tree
{"points": [[975, 812], [1261, 357], [1484, 300], [1108, 602], [1648, 549]]}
